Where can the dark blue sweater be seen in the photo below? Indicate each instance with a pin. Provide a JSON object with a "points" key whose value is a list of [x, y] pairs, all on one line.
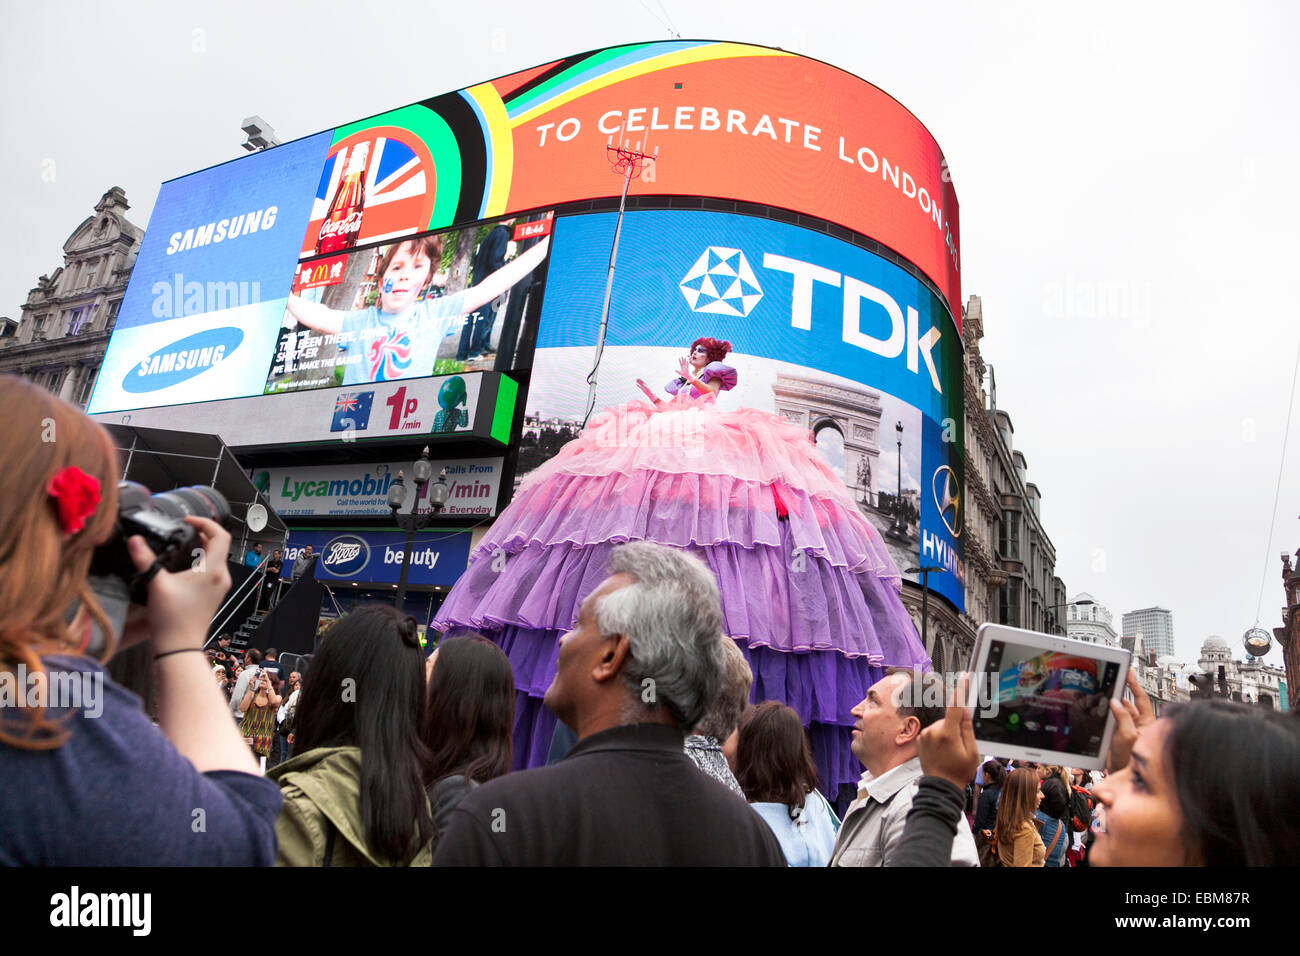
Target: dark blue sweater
{"points": [[118, 794]]}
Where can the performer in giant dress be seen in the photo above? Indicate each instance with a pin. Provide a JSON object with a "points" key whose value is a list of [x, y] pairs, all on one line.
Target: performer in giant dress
{"points": [[809, 591]]}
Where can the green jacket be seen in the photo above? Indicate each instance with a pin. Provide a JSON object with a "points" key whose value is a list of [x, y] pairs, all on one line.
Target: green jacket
{"points": [[322, 809]]}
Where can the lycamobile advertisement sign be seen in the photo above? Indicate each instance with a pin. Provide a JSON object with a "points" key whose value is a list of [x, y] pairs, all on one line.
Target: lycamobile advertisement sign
{"points": [[473, 487]]}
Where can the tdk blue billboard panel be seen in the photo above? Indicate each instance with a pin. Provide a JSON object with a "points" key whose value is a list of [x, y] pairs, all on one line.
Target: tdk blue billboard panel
{"points": [[823, 333]]}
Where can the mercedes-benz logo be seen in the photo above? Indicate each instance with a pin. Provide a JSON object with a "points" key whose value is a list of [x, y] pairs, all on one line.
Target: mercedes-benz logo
{"points": [[947, 498]]}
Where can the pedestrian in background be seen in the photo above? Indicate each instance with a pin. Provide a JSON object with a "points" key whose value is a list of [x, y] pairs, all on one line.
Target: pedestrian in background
{"points": [[777, 773], [1018, 842]]}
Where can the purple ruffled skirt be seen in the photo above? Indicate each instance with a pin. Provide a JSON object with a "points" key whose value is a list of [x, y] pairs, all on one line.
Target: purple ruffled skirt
{"points": [[809, 591]]}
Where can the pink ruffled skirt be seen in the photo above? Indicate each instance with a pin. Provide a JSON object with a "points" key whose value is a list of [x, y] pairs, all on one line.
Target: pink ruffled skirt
{"points": [[809, 590]]}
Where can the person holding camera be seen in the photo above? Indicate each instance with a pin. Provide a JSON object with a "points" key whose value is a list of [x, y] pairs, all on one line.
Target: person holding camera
{"points": [[259, 706], [252, 665], [86, 779]]}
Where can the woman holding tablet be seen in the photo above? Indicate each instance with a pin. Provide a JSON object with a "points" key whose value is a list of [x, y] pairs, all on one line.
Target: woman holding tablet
{"points": [[1215, 783]]}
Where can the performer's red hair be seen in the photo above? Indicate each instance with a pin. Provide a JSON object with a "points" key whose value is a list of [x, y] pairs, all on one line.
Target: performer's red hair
{"points": [[716, 350]]}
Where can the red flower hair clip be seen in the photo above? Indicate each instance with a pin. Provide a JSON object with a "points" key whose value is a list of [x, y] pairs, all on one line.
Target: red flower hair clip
{"points": [[76, 494]]}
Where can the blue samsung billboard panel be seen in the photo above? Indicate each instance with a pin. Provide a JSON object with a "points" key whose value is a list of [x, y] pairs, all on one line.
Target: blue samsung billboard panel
{"points": [[203, 310]]}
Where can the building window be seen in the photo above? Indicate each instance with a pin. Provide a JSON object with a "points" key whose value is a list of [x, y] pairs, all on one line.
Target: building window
{"points": [[76, 320], [88, 377], [51, 380], [112, 312], [1009, 536], [1009, 613]]}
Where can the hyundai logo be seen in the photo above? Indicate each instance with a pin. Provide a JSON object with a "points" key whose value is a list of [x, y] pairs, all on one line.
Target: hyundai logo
{"points": [[947, 498], [345, 556]]}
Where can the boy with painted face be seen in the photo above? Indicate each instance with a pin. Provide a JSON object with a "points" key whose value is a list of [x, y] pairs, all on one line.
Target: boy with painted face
{"points": [[399, 336]]}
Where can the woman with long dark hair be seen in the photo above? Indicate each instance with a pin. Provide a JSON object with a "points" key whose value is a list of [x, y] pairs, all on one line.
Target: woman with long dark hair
{"points": [[1051, 819], [354, 793], [1018, 842], [1214, 783], [775, 768], [468, 722], [259, 705]]}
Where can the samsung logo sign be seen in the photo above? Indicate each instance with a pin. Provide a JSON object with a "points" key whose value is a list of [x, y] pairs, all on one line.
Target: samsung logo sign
{"points": [[183, 360], [245, 224], [345, 556]]}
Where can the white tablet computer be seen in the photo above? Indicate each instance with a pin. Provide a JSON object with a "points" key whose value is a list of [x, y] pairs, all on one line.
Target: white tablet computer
{"points": [[1044, 698]]}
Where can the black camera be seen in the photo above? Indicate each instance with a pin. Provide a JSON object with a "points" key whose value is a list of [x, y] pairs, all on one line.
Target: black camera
{"points": [[159, 519]]}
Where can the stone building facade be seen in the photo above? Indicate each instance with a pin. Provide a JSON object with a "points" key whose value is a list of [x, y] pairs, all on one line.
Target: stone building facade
{"points": [[1250, 681], [59, 341], [1010, 561], [1288, 635], [1088, 620]]}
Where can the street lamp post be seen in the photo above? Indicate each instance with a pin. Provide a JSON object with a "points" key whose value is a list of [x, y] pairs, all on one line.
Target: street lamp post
{"points": [[899, 527], [421, 471], [1047, 611], [924, 571]]}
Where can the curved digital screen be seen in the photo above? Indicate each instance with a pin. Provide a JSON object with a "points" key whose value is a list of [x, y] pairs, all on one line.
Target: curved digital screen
{"points": [[824, 334], [221, 260], [725, 120]]}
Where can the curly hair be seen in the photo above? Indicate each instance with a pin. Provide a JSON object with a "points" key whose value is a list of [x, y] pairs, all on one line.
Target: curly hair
{"points": [[717, 350]]}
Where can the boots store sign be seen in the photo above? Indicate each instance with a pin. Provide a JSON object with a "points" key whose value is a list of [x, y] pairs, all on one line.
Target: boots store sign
{"points": [[375, 557], [473, 486]]}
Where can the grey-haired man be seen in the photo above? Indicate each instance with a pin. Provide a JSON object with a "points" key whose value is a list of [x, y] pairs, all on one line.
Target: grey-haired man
{"points": [[639, 671]]}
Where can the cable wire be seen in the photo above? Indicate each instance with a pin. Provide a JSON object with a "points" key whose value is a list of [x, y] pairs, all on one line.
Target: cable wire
{"points": [[1272, 515]]}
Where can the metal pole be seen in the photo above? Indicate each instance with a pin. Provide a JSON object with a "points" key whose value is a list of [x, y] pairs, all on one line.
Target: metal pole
{"points": [[925, 611], [900, 475], [604, 309], [406, 563], [130, 454]]}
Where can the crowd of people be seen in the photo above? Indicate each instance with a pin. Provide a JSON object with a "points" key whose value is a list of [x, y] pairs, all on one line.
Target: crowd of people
{"points": [[376, 754]]}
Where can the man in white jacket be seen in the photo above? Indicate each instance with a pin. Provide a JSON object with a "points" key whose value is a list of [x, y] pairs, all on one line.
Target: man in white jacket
{"points": [[897, 708]]}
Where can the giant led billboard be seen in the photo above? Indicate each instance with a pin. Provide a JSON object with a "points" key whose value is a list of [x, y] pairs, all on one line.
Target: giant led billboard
{"points": [[824, 334], [726, 120], [298, 267]]}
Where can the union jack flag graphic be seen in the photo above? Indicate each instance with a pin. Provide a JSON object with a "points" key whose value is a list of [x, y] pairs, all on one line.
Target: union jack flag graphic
{"points": [[390, 356], [399, 193], [352, 411]]}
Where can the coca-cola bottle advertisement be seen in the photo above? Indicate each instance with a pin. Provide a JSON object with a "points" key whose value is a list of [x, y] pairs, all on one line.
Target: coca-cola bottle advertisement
{"points": [[342, 223]]}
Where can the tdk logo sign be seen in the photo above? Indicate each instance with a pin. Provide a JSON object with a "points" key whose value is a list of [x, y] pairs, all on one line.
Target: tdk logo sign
{"points": [[183, 360], [345, 556], [904, 333], [721, 282]]}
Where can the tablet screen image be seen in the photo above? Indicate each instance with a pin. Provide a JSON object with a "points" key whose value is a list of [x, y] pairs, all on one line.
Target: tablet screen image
{"points": [[1047, 700]]}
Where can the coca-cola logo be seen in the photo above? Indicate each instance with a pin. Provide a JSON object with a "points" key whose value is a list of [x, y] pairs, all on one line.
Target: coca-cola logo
{"points": [[341, 227]]}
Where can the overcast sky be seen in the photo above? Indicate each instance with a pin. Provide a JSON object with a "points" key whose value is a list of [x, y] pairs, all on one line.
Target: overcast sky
{"points": [[1124, 172]]}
